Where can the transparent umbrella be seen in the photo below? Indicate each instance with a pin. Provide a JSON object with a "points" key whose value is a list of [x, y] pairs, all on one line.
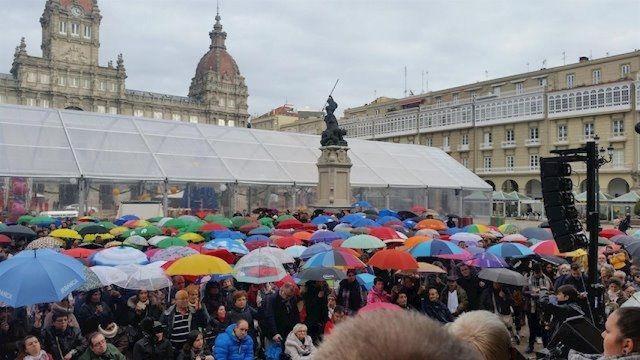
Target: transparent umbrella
{"points": [[259, 268], [144, 277]]}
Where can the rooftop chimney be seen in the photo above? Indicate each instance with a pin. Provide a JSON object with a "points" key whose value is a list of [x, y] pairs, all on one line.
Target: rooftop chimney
{"points": [[583, 59]]}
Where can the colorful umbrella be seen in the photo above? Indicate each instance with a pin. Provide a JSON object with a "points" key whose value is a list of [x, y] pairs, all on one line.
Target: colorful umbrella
{"points": [[517, 238], [121, 255], [321, 273], [171, 241], [295, 251], [487, 260], [503, 276], [199, 265], [124, 218], [286, 242], [476, 229], [433, 224], [467, 238], [46, 242], [38, 276], [363, 242], [439, 248], [508, 229], [144, 277], [314, 249], [333, 258], [393, 259], [609, 233], [65, 234], [546, 247], [325, 236], [231, 245], [506, 250], [259, 268], [378, 306], [191, 237]]}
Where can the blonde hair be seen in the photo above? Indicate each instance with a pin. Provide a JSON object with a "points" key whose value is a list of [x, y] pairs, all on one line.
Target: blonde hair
{"points": [[485, 332], [392, 335]]}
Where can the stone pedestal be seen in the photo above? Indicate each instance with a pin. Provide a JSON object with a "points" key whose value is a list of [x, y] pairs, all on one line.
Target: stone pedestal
{"points": [[334, 178]]}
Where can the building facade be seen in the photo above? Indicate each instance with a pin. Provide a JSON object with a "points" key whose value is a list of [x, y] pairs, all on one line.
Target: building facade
{"points": [[500, 128], [286, 118], [68, 74]]}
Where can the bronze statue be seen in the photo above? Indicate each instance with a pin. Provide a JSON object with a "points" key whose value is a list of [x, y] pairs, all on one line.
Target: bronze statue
{"points": [[333, 134]]}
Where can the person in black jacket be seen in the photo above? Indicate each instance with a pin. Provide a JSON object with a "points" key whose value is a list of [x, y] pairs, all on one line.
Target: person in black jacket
{"points": [[93, 312], [241, 310], [433, 308], [567, 307], [61, 340], [153, 346], [316, 305], [281, 313], [349, 294], [470, 283]]}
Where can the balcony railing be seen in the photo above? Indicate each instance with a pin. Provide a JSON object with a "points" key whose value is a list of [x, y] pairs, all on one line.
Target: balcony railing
{"points": [[532, 142], [618, 137], [463, 147], [508, 108], [486, 146], [507, 170], [508, 144], [590, 100]]}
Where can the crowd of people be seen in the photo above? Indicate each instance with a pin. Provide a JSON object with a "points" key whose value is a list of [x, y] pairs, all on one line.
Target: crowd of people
{"points": [[453, 314]]}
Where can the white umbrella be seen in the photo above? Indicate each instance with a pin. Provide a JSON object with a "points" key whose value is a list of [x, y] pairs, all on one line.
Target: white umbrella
{"points": [[295, 251], [119, 255], [163, 221], [108, 275], [277, 253], [428, 232], [136, 240], [464, 236], [634, 301], [259, 268], [144, 277], [153, 241]]}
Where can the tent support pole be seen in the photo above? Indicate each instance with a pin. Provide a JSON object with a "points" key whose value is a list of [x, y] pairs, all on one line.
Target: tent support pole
{"points": [[426, 198], [294, 199], [165, 197], [387, 198], [249, 197], [460, 200], [82, 196]]}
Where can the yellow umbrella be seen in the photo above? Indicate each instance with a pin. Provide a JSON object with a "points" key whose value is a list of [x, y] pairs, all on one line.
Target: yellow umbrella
{"points": [[192, 237], [65, 234], [575, 253], [92, 237], [199, 265], [118, 230]]}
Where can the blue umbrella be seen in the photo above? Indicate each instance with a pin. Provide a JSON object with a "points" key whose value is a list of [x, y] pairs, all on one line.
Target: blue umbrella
{"points": [[362, 204], [409, 224], [124, 218], [39, 276], [324, 236], [506, 250], [231, 245], [321, 219], [365, 223], [537, 233], [261, 230], [352, 217], [385, 219], [365, 280], [228, 234], [388, 212], [343, 234], [314, 249], [487, 260], [257, 238], [453, 230]]}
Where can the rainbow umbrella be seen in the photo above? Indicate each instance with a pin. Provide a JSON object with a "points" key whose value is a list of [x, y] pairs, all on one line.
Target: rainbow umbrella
{"points": [[333, 258], [506, 250], [476, 229], [487, 260], [439, 248], [508, 229]]}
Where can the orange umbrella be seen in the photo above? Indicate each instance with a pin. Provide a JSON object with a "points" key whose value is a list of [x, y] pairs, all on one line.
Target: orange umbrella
{"points": [[415, 240], [393, 259], [433, 224], [302, 235]]}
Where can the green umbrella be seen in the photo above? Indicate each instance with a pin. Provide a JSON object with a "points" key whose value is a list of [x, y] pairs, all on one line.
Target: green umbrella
{"points": [[172, 241], [155, 219], [2, 226], [284, 217], [176, 223], [107, 224], [42, 220], [266, 221], [238, 221], [214, 217], [24, 218], [146, 232], [194, 226], [82, 225], [221, 221]]}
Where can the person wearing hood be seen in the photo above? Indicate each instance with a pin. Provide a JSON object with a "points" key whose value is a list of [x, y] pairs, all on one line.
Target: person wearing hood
{"points": [[93, 312], [434, 308], [299, 345], [153, 346], [377, 293], [234, 343], [100, 349], [195, 348], [621, 337], [115, 335], [62, 307]]}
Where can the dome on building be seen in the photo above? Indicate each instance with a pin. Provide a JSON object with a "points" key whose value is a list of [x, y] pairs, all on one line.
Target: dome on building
{"points": [[217, 59]]}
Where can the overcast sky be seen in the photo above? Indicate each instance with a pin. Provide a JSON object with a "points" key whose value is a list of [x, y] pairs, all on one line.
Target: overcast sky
{"points": [[295, 50]]}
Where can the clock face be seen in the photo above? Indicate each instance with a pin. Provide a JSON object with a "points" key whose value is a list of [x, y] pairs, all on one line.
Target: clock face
{"points": [[76, 11]]}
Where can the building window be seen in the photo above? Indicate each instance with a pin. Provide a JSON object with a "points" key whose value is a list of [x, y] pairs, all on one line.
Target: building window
{"points": [[429, 142], [3, 99], [44, 78], [31, 77], [44, 103], [31, 102], [473, 94], [101, 109], [562, 132], [193, 119], [487, 138], [231, 123], [487, 162], [221, 102], [596, 76], [534, 161], [231, 103], [589, 131], [61, 81], [445, 141], [221, 122], [87, 32], [510, 135], [103, 86], [157, 114], [570, 78], [113, 110], [519, 88], [87, 83], [496, 90], [465, 162], [112, 87], [465, 139], [542, 81], [138, 113], [618, 158], [625, 69], [439, 100], [73, 82], [509, 162], [618, 127], [175, 117], [75, 29], [533, 133], [63, 27], [455, 98]]}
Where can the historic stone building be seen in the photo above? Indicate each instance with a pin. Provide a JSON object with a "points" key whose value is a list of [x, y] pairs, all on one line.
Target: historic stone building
{"points": [[500, 128], [286, 118], [69, 76]]}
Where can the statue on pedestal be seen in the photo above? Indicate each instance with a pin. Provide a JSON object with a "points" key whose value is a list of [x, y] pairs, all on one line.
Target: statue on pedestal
{"points": [[333, 134]]}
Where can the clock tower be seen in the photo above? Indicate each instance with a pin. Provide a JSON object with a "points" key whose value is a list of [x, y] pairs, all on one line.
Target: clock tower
{"points": [[70, 31]]}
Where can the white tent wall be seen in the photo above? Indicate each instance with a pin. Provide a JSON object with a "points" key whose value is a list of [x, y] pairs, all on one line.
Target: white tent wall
{"points": [[39, 143]]}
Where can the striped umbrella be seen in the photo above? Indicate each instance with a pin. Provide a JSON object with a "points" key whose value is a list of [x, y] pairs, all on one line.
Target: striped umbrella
{"points": [[333, 258], [508, 229], [439, 248], [506, 250], [487, 260], [546, 247], [476, 229]]}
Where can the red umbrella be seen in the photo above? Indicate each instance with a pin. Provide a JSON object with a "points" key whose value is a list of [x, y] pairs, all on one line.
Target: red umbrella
{"points": [[393, 259], [546, 247], [81, 254], [212, 227], [221, 253], [418, 209], [285, 242], [336, 244], [284, 232], [290, 224], [379, 306], [257, 244], [201, 214], [289, 280], [5, 240], [309, 227], [609, 233], [383, 233], [248, 227]]}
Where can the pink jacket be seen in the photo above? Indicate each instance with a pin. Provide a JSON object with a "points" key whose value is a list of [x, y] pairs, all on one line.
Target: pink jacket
{"points": [[374, 296]]}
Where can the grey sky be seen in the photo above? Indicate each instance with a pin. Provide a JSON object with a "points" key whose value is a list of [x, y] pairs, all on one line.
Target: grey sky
{"points": [[295, 49]]}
